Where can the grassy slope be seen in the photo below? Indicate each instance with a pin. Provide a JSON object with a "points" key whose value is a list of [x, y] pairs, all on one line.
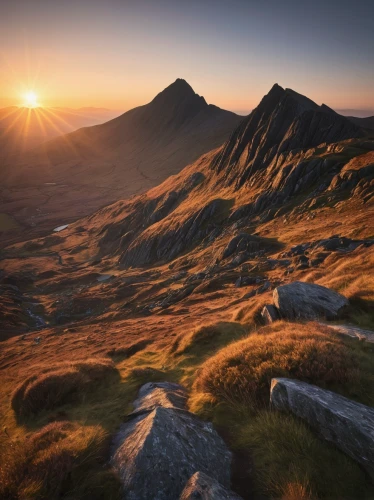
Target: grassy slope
{"points": [[173, 344]]}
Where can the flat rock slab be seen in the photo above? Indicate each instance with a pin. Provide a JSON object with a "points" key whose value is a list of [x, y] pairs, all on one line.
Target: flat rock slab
{"points": [[60, 228], [162, 445], [203, 487], [354, 331], [299, 300], [345, 423]]}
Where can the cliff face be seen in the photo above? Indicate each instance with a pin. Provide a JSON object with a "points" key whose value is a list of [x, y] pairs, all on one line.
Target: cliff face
{"points": [[283, 121]]}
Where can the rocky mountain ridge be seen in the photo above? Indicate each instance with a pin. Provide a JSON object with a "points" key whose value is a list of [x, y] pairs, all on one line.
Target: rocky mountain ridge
{"points": [[255, 172]]}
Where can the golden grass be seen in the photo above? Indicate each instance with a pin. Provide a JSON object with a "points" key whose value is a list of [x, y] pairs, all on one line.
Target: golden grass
{"points": [[291, 462], [206, 339], [242, 372], [250, 314], [352, 276], [52, 386], [47, 464]]}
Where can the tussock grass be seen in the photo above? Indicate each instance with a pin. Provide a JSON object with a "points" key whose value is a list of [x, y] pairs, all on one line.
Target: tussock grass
{"points": [[52, 386], [250, 314], [207, 339], [279, 453], [58, 461], [351, 276], [292, 463], [128, 351], [241, 373]]}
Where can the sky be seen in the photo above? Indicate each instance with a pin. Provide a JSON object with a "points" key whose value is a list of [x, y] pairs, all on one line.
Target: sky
{"points": [[120, 53]]}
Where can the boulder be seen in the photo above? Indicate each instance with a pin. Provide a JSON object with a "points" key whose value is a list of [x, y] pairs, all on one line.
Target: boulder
{"points": [[166, 394], [240, 243], [203, 487], [345, 423], [162, 445], [269, 314], [299, 300], [354, 331]]}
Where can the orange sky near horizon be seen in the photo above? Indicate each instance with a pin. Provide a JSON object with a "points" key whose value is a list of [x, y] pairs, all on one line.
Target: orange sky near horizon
{"points": [[120, 54]]}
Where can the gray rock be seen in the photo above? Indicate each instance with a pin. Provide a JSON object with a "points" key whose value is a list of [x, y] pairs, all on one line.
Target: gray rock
{"points": [[264, 287], [203, 487], [269, 313], [309, 301], [162, 445], [240, 243], [345, 423], [354, 331], [240, 258], [274, 263], [247, 281], [166, 394]]}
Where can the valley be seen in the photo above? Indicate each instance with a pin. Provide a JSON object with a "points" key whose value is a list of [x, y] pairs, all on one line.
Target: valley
{"points": [[72, 176]]}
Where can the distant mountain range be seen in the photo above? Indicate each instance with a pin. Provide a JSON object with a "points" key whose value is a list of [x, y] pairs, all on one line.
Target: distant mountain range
{"points": [[359, 113], [24, 128], [79, 172]]}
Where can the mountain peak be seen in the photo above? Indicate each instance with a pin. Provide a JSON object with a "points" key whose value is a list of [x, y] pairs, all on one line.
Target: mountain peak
{"points": [[177, 92]]}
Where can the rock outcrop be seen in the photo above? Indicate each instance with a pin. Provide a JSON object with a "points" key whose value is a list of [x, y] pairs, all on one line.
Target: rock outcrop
{"points": [[345, 423], [168, 242], [283, 121], [202, 487], [165, 394], [240, 243], [162, 445], [354, 331], [269, 313], [299, 300]]}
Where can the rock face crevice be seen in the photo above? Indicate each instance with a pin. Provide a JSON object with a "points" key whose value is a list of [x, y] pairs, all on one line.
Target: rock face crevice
{"points": [[283, 121], [345, 423], [151, 246], [162, 445]]}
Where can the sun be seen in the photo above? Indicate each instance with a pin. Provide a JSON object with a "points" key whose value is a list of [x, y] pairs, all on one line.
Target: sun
{"points": [[31, 99]]}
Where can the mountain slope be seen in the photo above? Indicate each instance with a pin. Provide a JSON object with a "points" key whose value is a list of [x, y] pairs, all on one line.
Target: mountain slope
{"points": [[365, 122], [288, 145], [97, 165], [160, 286], [264, 189]]}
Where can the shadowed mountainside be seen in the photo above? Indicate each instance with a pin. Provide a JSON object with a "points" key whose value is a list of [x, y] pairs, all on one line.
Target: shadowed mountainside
{"points": [[366, 122], [77, 173]]}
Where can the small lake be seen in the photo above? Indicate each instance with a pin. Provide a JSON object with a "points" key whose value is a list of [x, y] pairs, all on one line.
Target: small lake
{"points": [[60, 228], [104, 277]]}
